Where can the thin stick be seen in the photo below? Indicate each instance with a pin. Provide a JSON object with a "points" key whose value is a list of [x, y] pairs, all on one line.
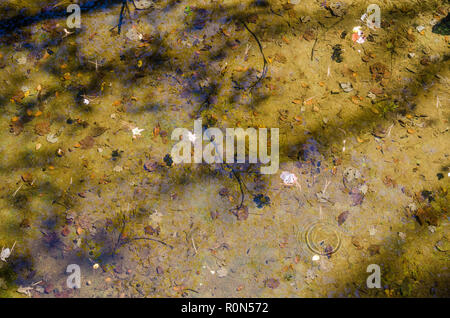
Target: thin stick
{"points": [[149, 239], [265, 67], [14, 194], [193, 244]]}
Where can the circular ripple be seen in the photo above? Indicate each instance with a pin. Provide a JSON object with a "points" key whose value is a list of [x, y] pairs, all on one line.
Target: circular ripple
{"points": [[323, 238]]}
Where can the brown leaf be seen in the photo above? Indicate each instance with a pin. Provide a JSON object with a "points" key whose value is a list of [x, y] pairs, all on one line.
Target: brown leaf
{"points": [[156, 130], [87, 142], [356, 243], [379, 71], [98, 131], [16, 127], [309, 35], [389, 182], [27, 177], [374, 249], [65, 231], [280, 58], [25, 223], [342, 217], [151, 230], [42, 128]]}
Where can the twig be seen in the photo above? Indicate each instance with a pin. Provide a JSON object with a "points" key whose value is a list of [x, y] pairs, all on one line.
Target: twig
{"points": [[15, 192], [265, 67], [149, 239], [193, 244]]}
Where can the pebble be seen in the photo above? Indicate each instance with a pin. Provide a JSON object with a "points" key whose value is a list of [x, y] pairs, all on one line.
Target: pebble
{"points": [[51, 138], [222, 272], [134, 35], [143, 4], [346, 87], [118, 169]]}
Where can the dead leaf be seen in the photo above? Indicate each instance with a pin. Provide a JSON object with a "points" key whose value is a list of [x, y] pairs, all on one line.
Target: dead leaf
{"points": [[16, 127], [342, 217], [87, 142], [280, 58], [42, 128], [65, 231], [27, 177], [309, 35], [151, 230], [374, 249]]}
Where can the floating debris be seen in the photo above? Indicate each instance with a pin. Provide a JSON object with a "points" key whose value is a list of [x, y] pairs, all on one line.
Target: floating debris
{"points": [[51, 138], [288, 178], [136, 132], [6, 253], [358, 35]]}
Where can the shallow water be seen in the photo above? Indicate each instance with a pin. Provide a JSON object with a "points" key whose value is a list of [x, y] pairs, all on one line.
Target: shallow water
{"points": [[157, 231]]}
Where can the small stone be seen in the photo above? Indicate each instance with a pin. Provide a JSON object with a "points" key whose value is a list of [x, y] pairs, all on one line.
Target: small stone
{"points": [[316, 258], [51, 138], [133, 35], [346, 87], [420, 28], [222, 272], [371, 95]]}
